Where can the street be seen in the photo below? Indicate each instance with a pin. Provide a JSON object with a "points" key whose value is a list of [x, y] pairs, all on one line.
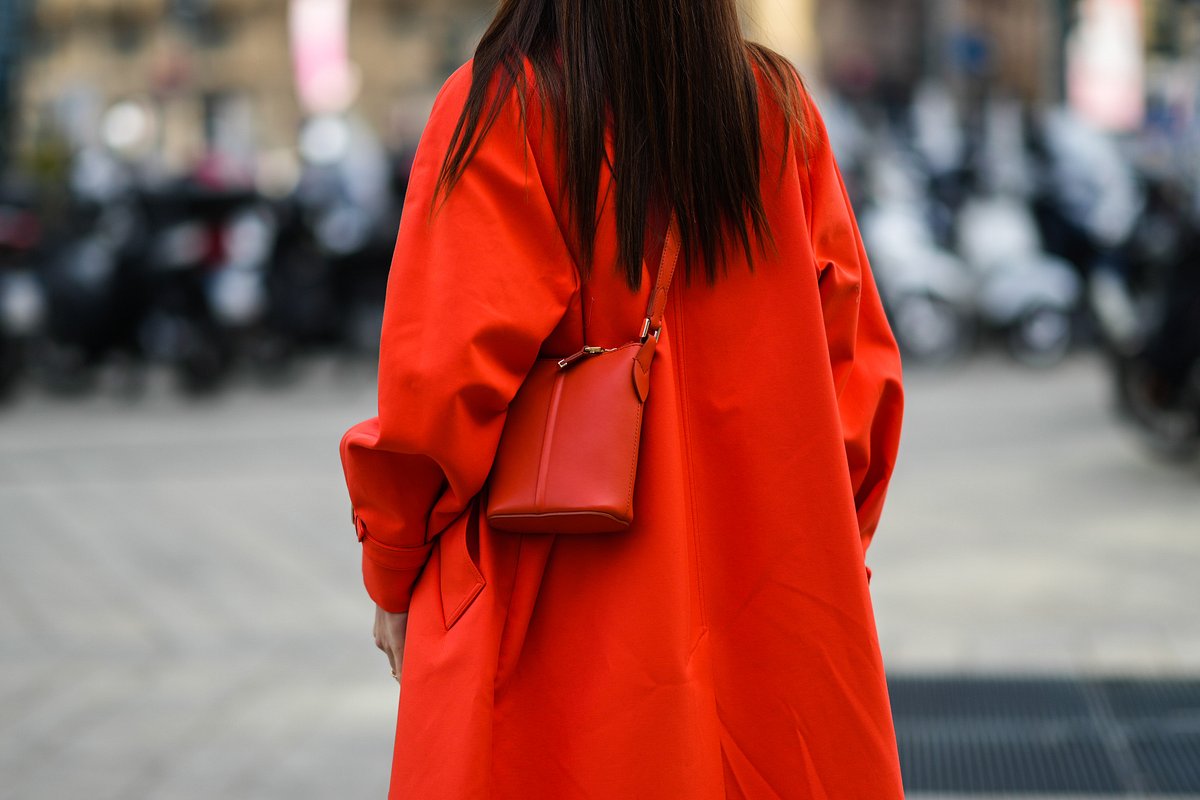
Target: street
{"points": [[181, 614]]}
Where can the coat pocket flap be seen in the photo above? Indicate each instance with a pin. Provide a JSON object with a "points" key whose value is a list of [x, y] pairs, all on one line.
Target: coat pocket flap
{"points": [[461, 580]]}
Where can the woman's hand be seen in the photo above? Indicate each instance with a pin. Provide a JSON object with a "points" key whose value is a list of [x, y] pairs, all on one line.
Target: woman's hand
{"points": [[389, 637]]}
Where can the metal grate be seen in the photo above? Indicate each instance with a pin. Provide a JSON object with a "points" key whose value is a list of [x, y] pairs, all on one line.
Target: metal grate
{"points": [[1170, 761], [1039, 735], [1134, 700], [969, 698]]}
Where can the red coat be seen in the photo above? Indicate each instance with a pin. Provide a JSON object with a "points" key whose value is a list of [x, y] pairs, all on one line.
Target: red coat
{"points": [[725, 646]]}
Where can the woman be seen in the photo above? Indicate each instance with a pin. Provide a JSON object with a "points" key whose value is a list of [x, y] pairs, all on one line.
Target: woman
{"points": [[725, 645]]}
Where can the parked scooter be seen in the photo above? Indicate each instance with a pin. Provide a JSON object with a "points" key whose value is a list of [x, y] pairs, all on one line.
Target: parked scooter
{"points": [[22, 303], [203, 275], [1136, 239], [924, 286], [167, 273], [93, 297], [1027, 295], [956, 250], [1148, 310], [336, 235]]}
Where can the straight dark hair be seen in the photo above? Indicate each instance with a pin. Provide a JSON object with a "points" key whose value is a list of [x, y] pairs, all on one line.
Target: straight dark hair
{"points": [[676, 79]]}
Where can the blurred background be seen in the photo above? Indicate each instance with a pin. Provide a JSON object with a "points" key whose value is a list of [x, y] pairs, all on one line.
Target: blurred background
{"points": [[198, 202]]}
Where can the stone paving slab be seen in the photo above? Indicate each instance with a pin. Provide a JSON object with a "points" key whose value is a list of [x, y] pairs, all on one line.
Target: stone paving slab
{"points": [[181, 614]]}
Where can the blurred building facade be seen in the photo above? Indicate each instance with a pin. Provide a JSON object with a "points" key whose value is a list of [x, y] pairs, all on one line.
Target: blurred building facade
{"points": [[1014, 45], [219, 74]]}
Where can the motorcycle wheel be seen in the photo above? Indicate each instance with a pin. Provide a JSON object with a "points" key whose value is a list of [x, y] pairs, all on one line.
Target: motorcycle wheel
{"points": [[272, 357], [928, 329], [62, 368], [10, 367], [1167, 427], [203, 364], [1041, 337]]}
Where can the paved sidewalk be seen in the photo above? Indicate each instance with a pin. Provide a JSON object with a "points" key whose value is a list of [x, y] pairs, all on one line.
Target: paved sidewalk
{"points": [[1026, 530], [180, 611], [181, 617]]}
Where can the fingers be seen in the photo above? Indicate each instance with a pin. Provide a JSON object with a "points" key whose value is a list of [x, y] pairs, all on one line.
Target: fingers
{"points": [[394, 664], [396, 627], [390, 631], [378, 630]]}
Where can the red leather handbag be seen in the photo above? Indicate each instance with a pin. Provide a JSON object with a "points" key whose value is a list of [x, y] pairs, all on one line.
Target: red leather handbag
{"points": [[567, 457]]}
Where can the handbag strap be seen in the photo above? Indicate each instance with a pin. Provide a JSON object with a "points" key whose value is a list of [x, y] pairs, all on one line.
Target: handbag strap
{"points": [[654, 310], [662, 283]]}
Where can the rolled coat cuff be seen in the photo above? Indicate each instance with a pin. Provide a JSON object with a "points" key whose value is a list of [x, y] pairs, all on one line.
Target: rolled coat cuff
{"points": [[390, 572], [390, 588]]}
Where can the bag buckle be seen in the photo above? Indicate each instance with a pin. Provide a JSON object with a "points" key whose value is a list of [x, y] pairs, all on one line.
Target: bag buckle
{"points": [[645, 334], [588, 350]]}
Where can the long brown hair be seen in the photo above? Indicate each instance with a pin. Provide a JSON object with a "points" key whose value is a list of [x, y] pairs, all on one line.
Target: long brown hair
{"points": [[676, 79]]}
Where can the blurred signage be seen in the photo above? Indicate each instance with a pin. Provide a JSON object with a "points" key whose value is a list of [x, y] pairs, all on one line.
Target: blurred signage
{"points": [[1106, 64], [326, 80]]}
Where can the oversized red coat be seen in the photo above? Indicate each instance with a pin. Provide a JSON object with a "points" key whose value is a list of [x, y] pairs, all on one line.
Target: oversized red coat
{"points": [[725, 646]]}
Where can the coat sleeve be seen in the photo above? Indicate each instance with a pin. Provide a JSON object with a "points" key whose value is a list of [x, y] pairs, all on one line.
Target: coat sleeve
{"points": [[862, 349], [472, 293]]}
